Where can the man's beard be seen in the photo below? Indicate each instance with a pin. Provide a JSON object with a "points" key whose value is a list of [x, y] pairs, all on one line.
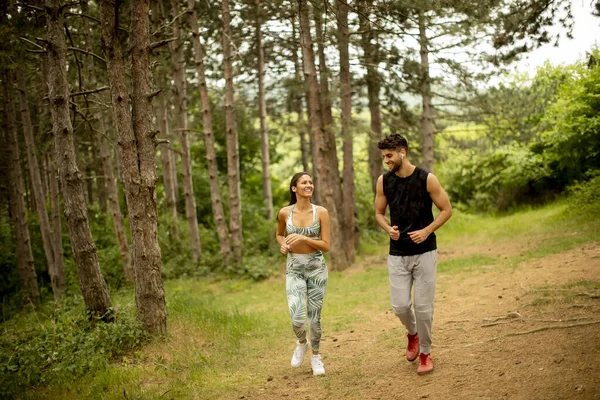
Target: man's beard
{"points": [[397, 166]]}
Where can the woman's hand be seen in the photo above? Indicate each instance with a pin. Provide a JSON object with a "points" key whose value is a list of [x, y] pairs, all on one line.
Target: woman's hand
{"points": [[284, 248], [293, 239]]}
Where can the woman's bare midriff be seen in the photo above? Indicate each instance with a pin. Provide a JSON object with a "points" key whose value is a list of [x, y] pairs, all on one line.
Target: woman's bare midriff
{"points": [[302, 248]]}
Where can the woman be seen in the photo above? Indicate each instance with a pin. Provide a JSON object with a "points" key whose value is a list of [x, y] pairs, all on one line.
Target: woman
{"points": [[303, 234]]}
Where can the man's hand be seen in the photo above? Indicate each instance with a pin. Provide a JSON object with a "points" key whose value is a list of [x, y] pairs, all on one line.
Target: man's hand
{"points": [[394, 233], [419, 236]]}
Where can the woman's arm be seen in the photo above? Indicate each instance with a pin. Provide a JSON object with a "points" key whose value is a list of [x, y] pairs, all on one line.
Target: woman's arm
{"points": [[323, 243], [281, 219]]}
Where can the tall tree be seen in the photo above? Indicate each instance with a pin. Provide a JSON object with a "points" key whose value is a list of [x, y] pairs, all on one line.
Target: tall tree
{"points": [[180, 101], [427, 124], [233, 153], [209, 138], [326, 148], [36, 183], [351, 237], [137, 142], [262, 105], [368, 41], [93, 286], [25, 266]]}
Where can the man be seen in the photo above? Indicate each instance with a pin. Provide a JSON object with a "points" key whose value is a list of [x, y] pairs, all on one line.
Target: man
{"points": [[410, 191]]}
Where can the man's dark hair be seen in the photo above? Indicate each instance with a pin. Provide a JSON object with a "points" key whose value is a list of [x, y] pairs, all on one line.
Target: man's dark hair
{"points": [[393, 141]]}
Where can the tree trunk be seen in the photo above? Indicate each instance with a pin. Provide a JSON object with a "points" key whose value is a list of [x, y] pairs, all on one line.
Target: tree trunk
{"points": [[180, 102], [233, 155], [166, 157], [36, 183], [137, 156], [93, 286], [108, 191], [59, 279], [209, 140], [18, 213], [325, 147], [370, 59], [136, 140], [300, 93], [427, 124], [323, 70], [113, 201], [264, 130], [351, 237]]}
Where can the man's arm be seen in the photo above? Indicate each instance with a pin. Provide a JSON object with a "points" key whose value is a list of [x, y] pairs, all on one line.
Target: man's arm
{"points": [[441, 201], [380, 207]]}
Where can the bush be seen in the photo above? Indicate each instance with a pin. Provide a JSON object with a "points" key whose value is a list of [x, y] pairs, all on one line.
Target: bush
{"points": [[58, 347], [583, 197]]}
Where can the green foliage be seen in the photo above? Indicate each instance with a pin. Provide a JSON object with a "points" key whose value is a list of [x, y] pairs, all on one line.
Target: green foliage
{"points": [[56, 347], [494, 180], [572, 145], [583, 197]]}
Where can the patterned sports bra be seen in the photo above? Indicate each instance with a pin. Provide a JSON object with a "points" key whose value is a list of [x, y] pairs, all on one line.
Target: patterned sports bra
{"points": [[313, 231]]}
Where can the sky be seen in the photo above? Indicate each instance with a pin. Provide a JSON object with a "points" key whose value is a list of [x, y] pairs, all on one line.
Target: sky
{"points": [[585, 33]]}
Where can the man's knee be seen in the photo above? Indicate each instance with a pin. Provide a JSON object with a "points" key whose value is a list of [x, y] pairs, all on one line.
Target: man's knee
{"points": [[401, 309]]}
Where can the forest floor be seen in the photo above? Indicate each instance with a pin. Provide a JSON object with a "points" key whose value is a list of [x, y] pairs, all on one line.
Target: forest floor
{"points": [[531, 331]]}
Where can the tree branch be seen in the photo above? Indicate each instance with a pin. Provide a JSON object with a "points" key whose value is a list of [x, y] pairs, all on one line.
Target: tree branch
{"points": [[101, 89]]}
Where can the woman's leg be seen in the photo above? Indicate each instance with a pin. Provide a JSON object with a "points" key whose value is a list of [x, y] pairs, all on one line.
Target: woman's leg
{"points": [[316, 284], [295, 286]]}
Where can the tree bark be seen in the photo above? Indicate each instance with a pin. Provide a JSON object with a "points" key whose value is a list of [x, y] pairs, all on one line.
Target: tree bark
{"points": [[373, 87], [351, 237], [180, 101], [59, 280], [300, 93], [325, 147], [25, 265], [137, 156], [93, 286], [264, 130], [36, 184], [209, 140], [233, 154], [166, 157], [427, 124], [323, 70]]}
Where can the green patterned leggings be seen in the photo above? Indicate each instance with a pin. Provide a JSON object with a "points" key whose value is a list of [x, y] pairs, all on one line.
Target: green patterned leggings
{"points": [[305, 283]]}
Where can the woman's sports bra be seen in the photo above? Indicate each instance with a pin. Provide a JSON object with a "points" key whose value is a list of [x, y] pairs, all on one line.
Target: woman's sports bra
{"points": [[313, 231]]}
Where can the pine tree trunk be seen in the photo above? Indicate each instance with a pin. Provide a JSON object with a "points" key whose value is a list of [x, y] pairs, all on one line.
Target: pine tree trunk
{"points": [[264, 130], [180, 101], [351, 237], [59, 279], [136, 140], [370, 59], [166, 157], [325, 147], [233, 154], [93, 286], [36, 180], [323, 70], [209, 140], [300, 93], [113, 201], [427, 124], [25, 265]]}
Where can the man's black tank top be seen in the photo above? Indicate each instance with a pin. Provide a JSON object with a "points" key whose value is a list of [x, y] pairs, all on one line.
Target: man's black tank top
{"points": [[410, 210]]}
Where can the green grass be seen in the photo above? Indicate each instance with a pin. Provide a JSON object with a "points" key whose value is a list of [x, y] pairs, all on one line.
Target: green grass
{"points": [[220, 332]]}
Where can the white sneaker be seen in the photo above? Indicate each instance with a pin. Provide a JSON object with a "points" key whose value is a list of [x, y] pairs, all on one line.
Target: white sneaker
{"points": [[299, 353], [317, 365]]}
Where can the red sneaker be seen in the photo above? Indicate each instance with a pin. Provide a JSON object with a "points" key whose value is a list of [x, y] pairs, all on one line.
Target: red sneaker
{"points": [[425, 364], [412, 349]]}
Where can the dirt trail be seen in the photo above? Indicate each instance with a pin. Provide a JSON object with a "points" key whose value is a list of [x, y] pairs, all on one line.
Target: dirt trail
{"points": [[531, 332]]}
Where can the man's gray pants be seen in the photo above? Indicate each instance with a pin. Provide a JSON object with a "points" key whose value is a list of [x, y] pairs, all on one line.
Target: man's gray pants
{"points": [[419, 269]]}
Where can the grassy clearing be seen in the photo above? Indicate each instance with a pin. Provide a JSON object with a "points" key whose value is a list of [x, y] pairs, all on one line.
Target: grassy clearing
{"points": [[221, 334]]}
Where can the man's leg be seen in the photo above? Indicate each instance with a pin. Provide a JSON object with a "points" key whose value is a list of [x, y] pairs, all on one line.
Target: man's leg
{"points": [[424, 274], [400, 285]]}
